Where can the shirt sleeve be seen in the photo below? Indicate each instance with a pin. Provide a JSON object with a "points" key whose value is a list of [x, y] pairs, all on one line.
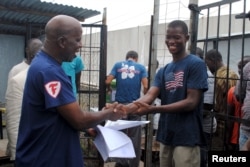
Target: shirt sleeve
{"points": [[197, 76], [57, 88], [79, 64], [144, 72], [114, 70], [158, 78]]}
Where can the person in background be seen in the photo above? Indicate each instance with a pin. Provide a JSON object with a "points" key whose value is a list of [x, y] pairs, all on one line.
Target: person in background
{"points": [[199, 53], [180, 84], [224, 80], [246, 146], [28, 58], [208, 120], [73, 71], [51, 118], [129, 76], [242, 92], [234, 109], [14, 96]]}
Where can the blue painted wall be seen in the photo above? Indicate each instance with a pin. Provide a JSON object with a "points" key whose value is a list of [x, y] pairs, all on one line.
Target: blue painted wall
{"points": [[11, 53]]}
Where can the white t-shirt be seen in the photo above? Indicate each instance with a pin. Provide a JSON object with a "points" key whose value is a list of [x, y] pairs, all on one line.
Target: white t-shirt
{"points": [[17, 68], [209, 99], [209, 94]]}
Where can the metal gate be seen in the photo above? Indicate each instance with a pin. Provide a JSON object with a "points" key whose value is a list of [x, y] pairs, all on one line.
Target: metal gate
{"points": [[217, 31], [92, 91]]}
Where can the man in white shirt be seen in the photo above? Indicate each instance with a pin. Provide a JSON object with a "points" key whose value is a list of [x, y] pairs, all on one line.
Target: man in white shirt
{"points": [[14, 95]]}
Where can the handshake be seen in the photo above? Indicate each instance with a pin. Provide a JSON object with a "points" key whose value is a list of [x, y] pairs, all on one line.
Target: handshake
{"points": [[117, 111]]}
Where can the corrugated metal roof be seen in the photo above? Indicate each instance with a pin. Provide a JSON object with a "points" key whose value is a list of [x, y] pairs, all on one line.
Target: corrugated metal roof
{"points": [[15, 15]]}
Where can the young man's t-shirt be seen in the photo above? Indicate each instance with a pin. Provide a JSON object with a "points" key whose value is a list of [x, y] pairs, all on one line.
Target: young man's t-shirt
{"points": [[181, 128], [128, 76]]}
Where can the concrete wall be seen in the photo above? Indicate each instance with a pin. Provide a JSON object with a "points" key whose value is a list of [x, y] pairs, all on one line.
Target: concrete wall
{"points": [[121, 41], [137, 38], [232, 49]]}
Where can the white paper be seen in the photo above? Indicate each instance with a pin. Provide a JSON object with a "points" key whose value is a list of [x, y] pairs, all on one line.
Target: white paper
{"points": [[111, 142], [123, 124]]}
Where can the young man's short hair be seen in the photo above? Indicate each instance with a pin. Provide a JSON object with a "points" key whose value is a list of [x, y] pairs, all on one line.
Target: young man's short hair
{"points": [[132, 54], [213, 55], [179, 23]]}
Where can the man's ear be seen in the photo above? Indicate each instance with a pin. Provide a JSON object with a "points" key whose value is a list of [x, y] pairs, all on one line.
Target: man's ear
{"points": [[187, 37], [61, 41]]}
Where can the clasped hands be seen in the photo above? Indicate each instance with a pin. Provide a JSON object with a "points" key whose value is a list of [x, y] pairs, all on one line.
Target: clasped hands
{"points": [[117, 111], [122, 110]]}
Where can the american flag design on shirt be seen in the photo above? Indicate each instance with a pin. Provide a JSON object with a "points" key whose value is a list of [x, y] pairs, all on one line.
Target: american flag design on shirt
{"points": [[174, 80]]}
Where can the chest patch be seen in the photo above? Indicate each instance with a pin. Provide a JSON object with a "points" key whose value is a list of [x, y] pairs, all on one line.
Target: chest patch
{"points": [[53, 88]]}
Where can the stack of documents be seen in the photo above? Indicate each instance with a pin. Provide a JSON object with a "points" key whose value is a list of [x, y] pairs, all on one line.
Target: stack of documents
{"points": [[111, 142]]}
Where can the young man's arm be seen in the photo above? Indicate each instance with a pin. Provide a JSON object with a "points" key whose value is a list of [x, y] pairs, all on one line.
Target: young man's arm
{"points": [[185, 105], [147, 99], [144, 82], [108, 81]]}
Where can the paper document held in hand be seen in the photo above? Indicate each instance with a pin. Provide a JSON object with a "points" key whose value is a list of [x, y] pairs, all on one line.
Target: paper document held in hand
{"points": [[111, 142]]}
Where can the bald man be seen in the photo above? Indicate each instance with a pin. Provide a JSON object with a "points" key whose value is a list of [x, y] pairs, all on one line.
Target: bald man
{"points": [[51, 117]]}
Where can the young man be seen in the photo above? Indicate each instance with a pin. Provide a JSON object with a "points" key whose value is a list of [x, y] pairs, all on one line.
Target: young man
{"points": [[73, 70], [242, 91], [129, 76], [224, 80], [234, 109], [181, 84], [51, 117], [208, 120]]}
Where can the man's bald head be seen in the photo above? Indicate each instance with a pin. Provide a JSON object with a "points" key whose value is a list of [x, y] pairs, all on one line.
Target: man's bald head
{"points": [[62, 37], [61, 25]]}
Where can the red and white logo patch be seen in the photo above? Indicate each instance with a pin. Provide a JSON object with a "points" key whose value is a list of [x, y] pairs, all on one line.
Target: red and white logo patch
{"points": [[53, 88]]}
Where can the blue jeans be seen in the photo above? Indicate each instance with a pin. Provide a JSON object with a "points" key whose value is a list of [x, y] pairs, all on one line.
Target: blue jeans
{"points": [[243, 138]]}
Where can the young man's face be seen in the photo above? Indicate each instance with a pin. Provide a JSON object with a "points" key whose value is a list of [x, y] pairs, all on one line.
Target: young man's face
{"points": [[211, 65], [176, 40], [242, 64]]}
